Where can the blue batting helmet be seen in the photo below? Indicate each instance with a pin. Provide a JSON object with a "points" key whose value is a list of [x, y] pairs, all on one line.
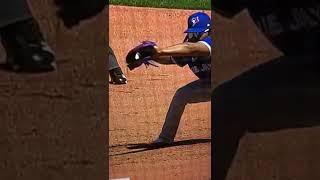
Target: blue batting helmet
{"points": [[198, 22]]}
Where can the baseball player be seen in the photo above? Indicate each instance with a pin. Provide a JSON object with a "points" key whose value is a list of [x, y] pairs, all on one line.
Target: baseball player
{"points": [[195, 52], [294, 30], [116, 74], [22, 39]]}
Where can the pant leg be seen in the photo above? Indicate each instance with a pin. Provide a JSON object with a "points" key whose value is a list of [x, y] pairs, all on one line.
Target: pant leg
{"points": [[12, 11], [194, 92], [113, 63]]}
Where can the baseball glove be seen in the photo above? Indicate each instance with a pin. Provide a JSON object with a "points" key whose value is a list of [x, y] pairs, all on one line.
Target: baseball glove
{"points": [[141, 54], [72, 12]]}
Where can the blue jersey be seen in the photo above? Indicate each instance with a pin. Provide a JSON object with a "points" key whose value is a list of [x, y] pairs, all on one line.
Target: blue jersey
{"points": [[201, 65]]}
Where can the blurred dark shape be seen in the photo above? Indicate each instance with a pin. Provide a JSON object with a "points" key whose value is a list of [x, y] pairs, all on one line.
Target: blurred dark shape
{"points": [[72, 12]]}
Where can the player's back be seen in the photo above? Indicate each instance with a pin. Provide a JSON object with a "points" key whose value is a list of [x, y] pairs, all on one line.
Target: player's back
{"points": [[292, 30]]}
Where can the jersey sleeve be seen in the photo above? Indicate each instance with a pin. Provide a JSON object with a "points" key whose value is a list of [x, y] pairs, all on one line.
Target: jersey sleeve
{"points": [[229, 8], [208, 42]]}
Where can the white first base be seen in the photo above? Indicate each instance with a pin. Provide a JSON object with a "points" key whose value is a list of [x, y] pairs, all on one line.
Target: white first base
{"points": [[126, 178]]}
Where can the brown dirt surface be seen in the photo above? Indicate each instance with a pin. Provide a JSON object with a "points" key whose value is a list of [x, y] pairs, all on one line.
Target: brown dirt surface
{"points": [[137, 110], [53, 124], [291, 154]]}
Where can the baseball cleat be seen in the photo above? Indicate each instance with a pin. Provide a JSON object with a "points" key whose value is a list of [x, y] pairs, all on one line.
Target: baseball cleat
{"points": [[26, 48], [117, 77], [161, 142]]}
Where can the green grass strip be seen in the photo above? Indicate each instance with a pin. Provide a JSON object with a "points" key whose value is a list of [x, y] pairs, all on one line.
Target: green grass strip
{"points": [[172, 4]]}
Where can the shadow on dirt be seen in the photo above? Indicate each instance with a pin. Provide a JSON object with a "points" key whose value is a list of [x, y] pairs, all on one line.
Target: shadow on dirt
{"points": [[60, 62], [141, 147], [281, 94], [6, 68]]}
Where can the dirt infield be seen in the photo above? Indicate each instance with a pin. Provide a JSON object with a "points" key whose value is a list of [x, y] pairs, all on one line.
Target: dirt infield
{"points": [[53, 125], [137, 110], [280, 155]]}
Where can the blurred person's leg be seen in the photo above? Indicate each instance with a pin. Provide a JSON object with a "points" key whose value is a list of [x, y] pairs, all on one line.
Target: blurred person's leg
{"points": [[116, 74], [13, 11], [23, 40]]}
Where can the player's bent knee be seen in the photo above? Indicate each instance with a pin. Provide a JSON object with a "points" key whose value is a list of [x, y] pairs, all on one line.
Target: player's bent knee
{"points": [[182, 94]]}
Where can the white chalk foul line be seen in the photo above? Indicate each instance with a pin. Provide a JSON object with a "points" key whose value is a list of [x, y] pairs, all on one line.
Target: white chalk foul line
{"points": [[126, 178]]}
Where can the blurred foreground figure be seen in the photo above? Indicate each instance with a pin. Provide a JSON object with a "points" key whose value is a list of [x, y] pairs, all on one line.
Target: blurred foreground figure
{"points": [[22, 39]]}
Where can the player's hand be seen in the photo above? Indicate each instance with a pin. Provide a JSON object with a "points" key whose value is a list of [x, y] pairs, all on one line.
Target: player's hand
{"points": [[155, 53], [142, 54]]}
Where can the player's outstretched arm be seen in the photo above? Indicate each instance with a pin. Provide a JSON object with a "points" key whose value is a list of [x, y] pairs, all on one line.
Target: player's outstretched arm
{"points": [[183, 50], [148, 50], [164, 60]]}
